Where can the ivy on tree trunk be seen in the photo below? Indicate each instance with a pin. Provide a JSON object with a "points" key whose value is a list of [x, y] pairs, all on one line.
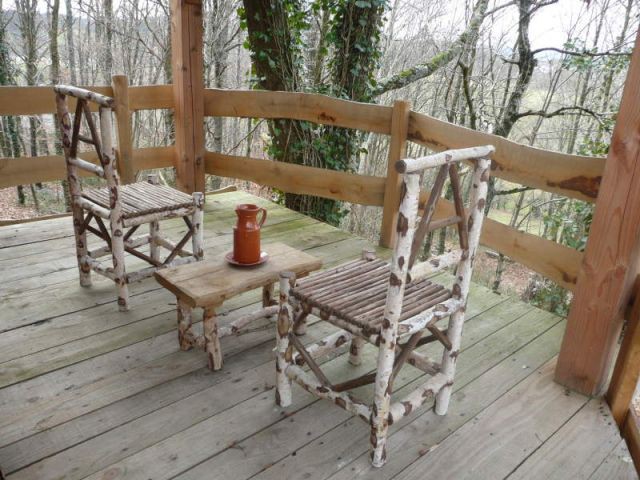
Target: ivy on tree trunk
{"points": [[276, 41]]}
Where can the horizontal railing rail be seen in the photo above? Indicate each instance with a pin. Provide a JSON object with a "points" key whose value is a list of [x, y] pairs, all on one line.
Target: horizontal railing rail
{"points": [[298, 106], [572, 176], [292, 178], [41, 100], [49, 168]]}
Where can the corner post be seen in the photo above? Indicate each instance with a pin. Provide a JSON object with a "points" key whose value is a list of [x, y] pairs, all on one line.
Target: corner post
{"points": [[627, 370], [397, 151], [609, 266], [124, 152], [188, 93]]}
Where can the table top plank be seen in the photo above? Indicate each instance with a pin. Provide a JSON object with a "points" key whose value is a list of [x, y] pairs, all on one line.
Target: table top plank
{"points": [[211, 282]]}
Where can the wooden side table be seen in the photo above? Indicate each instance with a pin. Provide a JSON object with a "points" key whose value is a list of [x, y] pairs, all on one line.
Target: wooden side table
{"points": [[208, 284]]}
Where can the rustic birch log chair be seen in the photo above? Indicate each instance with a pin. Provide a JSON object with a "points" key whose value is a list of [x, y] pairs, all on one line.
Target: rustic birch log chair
{"points": [[124, 206], [390, 305]]}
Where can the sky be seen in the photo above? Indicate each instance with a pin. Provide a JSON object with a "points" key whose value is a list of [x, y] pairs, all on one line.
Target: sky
{"points": [[549, 26]]}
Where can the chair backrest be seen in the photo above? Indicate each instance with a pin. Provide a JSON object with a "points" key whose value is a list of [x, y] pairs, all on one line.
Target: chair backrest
{"points": [[101, 138], [411, 231]]}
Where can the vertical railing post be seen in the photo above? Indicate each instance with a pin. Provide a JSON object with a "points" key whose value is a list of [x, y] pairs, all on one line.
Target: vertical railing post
{"points": [[124, 151], [610, 263], [188, 93], [397, 151], [627, 369]]}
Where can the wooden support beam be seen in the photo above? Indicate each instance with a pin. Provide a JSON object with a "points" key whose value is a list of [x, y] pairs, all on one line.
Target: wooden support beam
{"points": [[188, 93], [631, 435], [124, 149], [397, 151], [609, 266], [627, 370]]}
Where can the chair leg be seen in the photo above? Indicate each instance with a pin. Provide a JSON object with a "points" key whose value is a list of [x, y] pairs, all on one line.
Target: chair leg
{"points": [[154, 234], [449, 358], [81, 247], [196, 220], [117, 253], [283, 350], [357, 343], [379, 421]]}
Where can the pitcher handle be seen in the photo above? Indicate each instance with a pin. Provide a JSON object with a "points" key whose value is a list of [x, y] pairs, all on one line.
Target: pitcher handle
{"points": [[263, 218]]}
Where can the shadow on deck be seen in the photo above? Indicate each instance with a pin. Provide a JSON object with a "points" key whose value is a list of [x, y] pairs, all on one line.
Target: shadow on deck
{"points": [[86, 391]]}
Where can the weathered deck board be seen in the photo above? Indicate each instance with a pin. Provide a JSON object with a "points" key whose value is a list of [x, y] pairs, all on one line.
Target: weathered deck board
{"points": [[577, 449], [618, 464], [87, 392]]}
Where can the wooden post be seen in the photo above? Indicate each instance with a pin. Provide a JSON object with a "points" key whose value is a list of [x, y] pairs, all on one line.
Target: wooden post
{"points": [[188, 93], [124, 152], [609, 266], [397, 151], [627, 370]]}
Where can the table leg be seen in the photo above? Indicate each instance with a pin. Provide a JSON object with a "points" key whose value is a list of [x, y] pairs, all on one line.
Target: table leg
{"points": [[185, 334], [211, 340], [267, 296]]}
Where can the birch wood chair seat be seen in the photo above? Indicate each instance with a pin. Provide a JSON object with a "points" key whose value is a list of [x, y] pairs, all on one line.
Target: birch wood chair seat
{"points": [[391, 305], [126, 207], [142, 199], [356, 293]]}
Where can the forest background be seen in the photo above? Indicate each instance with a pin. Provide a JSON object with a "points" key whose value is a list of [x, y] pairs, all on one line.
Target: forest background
{"points": [[546, 73]]}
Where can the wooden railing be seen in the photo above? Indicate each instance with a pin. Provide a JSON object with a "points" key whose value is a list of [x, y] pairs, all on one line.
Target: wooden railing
{"points": [[41, 101], [568, 175]]}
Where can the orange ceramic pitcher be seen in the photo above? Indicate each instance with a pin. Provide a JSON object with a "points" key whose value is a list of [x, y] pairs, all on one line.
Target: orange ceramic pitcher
{"points": [[246, 233]]}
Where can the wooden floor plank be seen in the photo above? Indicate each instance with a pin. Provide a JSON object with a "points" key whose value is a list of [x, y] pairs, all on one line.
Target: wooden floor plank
{"points": [[84, 373], [55, 267], [229, 389], [153, 301], [618, 465], [482, 301], [497, 440], [263, 407], [90, 391], [577, 449], [326, 454], [430, 429], [35, 305], [85, 427], [57, 262], [93, 395]]}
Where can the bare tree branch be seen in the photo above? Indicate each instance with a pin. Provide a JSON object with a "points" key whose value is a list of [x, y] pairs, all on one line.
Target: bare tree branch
{"points": [[428, 68], [561, 111], [584, 53]]}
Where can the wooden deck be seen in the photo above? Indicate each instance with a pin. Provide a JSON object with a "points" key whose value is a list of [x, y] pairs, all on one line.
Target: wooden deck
{"points": [[87, 392]]}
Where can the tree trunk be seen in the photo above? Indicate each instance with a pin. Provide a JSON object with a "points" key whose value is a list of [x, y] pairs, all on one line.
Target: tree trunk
{"points": [[70, 44], [108, 41], [29, 29], [55, 79]]}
